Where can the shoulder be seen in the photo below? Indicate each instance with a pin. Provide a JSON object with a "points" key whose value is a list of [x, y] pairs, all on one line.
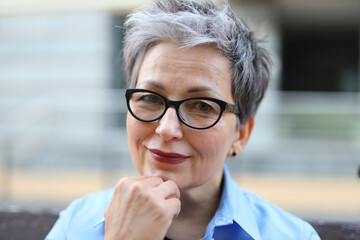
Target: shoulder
{"points": [[101, 197], [91, 206], [81, 216], [274, 221]]}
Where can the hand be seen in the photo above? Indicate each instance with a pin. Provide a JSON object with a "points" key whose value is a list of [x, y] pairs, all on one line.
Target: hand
{"points": [[141, 208]]}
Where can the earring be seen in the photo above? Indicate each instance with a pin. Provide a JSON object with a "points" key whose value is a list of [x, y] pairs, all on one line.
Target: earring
{"points": [[234, 154]]}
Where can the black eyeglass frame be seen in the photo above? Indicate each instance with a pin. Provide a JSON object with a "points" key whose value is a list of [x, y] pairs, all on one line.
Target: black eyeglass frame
{"points": [[223, 106]]}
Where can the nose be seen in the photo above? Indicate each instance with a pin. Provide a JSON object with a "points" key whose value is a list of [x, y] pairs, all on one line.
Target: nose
{"points": [[169, 126]]}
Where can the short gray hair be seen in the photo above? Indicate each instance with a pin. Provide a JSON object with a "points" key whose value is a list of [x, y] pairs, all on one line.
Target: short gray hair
{"points": [[199, 22]]}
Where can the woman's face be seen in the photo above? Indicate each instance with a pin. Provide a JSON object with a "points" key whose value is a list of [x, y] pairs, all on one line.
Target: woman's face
{"points": [[167, 148]]}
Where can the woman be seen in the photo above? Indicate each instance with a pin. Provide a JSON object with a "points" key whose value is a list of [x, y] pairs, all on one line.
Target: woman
{"points": [[197, 77]]}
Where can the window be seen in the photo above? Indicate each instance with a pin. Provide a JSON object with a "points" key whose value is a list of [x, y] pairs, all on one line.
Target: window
{"points": [[321, 58]]}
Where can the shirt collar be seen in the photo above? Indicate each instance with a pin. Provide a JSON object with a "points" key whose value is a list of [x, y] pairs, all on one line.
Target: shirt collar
{"points": [[234, 207], [100, 220]]}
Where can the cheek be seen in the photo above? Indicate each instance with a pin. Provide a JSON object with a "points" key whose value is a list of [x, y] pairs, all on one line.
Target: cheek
{"points": [[137, 132], [129, 124], [137, 129], [212, 147], [215, 143]]}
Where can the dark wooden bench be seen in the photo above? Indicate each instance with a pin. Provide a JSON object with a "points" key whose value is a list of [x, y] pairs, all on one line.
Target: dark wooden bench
{"points": [[16, 224], [29, 224], [337, 230]]}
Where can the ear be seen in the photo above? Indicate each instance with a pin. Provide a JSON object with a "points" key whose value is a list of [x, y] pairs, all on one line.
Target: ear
{"points": [[242, 137]]}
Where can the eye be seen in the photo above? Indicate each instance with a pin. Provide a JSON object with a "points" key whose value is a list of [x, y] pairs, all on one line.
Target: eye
{"points": [[200, 108], [150, 98], [203, 106]]}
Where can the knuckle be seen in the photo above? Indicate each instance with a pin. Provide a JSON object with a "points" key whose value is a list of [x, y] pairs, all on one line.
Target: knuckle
{"points": [[148, 198], [160, 211], [137, 189], [159, 179], [106, 212], [122, 183], [171, 183]]}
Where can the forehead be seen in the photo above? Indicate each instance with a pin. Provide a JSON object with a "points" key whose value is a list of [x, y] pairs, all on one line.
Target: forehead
{"points": [[202, 54], [203, 65]]}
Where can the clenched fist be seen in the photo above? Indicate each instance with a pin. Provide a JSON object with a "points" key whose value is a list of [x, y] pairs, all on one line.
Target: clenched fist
{"points": [[141, 208]]}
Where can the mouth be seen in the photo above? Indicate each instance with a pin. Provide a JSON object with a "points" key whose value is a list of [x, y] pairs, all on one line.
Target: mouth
{"points": [[170, 158]]}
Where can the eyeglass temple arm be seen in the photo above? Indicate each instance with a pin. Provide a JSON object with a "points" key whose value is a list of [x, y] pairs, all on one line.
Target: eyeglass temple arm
{"points": [[232, 108]]}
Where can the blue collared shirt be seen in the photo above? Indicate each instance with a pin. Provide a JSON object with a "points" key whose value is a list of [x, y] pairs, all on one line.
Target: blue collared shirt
{"points": [[241, 215]]}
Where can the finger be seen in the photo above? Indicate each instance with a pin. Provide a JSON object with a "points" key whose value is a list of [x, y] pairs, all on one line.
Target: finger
{"points": [[129, 180], [137, 178], [152, 181], [121, 198], [167, 190], [173, 206], [124, 185]]}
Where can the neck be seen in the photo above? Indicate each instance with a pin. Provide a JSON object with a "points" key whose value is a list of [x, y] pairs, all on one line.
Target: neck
{"points": [[203, 200], [198, 206]]}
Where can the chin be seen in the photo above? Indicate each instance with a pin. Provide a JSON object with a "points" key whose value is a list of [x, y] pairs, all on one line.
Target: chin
{"points": [[164, 175], [183, 182]]}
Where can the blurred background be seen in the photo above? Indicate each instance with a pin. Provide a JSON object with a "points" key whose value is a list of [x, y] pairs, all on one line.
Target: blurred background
{"points": [[62, 105]]}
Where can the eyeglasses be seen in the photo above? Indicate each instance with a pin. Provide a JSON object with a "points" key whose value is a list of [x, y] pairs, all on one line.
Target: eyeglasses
{"points": [[197, 112]]}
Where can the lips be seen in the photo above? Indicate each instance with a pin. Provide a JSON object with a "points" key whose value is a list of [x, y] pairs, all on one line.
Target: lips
{"points": [[170, 158]]}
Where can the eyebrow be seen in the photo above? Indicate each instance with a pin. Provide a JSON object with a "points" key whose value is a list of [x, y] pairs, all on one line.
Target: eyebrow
{"points": [[190, 90], [153, 83], [202, 89]]}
